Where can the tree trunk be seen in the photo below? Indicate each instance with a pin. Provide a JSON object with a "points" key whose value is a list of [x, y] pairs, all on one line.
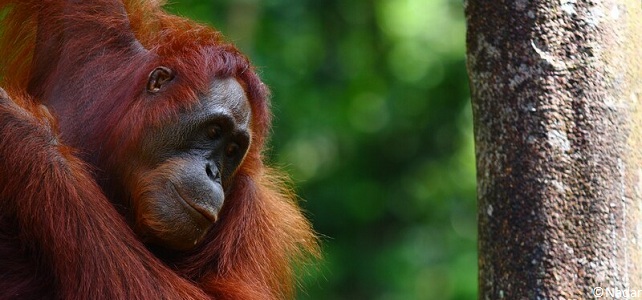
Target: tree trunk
{"points": [[556, 88]]}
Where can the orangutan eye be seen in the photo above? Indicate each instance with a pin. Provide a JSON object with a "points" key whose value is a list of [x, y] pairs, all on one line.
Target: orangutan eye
{"points": [[232, 150], [214, 132]]}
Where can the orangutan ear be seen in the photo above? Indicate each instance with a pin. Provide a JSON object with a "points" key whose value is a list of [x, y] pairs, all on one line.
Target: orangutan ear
{"points": [[158, 78]]}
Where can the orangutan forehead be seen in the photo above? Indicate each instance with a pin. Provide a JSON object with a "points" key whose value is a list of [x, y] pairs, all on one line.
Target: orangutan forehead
{"points": [[228, 94]]}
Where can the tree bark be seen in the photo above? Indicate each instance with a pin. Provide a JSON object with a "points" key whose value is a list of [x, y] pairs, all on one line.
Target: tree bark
{"points": [[556, 89]]}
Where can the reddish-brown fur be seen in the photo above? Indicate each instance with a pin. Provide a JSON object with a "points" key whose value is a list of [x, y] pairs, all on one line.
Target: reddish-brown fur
{"points": [[60, 234]]}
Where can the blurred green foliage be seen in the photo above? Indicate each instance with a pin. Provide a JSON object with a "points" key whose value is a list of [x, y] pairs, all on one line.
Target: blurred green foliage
{"points": [[372, 121]]}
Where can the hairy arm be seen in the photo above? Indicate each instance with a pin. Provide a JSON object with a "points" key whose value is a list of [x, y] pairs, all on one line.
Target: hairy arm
{"points": [[64, 220]]}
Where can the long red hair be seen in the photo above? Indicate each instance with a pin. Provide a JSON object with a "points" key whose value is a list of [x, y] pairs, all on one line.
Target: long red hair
{"points": [[252, 251]]}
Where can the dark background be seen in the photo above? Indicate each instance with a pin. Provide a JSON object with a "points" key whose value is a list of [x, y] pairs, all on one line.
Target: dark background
{"points": [[373, 123]]}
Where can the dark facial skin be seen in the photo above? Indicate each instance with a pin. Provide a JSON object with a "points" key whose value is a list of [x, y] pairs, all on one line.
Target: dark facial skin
{"points": [[184, 169]]}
